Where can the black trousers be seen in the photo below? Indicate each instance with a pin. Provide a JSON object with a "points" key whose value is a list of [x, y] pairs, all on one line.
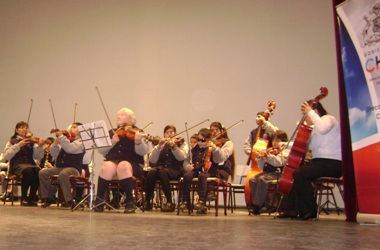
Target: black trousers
{"points": [[30, 180], [302, 194], [202, 183], [165, 175]]}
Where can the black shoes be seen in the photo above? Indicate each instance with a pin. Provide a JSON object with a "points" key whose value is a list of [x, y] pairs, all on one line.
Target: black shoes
{"points": [[168, 207], [287, 215], [24, 203], [47, 203], [308, 216], [255, 210], [148, 206], [302, 216], [199, 205], [129, 208]]}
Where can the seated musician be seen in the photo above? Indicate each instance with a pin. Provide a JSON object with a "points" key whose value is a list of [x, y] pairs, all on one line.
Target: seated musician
{"points": [[166, 162], [68, 150], [22, 152], [193, 140], [124, 159], [47, 161], [4, 167], [271, 161], [325, 146], [207, 160]]}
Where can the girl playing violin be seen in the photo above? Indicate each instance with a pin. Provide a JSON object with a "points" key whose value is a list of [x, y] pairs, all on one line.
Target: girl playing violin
{"points": [[271, 161], [124, 159], [21, 154], [165, 160]]}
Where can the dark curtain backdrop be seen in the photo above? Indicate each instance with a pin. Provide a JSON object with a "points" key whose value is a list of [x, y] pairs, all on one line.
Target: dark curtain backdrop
{"points": [[350, 201]]}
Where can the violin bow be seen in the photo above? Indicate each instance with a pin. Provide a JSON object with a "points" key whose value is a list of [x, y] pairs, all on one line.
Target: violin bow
{"points": [[191, 127], [30, 110], [109, 120], [147, 126], [232, 126], [52, 111], [75, 112], [188, 139]]}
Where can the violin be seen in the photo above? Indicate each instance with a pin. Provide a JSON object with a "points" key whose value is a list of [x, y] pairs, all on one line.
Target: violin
{"points": [[270, 151], [33, 139], [64, 132], [131, 132], [207, 159], [178, 141]]}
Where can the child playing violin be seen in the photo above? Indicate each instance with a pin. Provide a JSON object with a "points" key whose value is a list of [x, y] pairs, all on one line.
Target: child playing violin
{"points": [[69, 157], [207, 160], [21, 153], [165, 160], [271, 161]]}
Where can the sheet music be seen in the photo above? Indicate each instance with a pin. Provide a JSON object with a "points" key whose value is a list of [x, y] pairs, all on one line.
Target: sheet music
{"points": [[95, 135]]}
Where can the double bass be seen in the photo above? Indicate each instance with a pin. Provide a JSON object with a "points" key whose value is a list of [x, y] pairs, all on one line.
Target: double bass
{"points": [[259, 145], [299, 149]]}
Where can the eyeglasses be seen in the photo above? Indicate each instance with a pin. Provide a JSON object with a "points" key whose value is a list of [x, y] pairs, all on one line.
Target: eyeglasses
{"points": [[202, 139]]}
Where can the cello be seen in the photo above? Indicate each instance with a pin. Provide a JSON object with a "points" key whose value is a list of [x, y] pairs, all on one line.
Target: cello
{"points": [[259, 145], [298, 150]]}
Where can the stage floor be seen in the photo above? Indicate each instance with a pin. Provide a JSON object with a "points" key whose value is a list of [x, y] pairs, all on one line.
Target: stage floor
{"points": [[59, 228]]}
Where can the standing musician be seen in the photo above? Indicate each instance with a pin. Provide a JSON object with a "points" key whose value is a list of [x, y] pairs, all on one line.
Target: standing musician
{"points": [[68, 150], [166, 162], [263, 133], [208, 160], [325, 145], [124, 159], [272, 161], [21, 152], [267, 131]]}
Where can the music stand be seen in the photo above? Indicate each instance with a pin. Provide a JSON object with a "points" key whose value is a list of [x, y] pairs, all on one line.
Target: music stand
{"points": [[94, 135]]}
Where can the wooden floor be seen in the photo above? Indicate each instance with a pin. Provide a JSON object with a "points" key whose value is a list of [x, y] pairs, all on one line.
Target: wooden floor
{"points": [[60, 228]]}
